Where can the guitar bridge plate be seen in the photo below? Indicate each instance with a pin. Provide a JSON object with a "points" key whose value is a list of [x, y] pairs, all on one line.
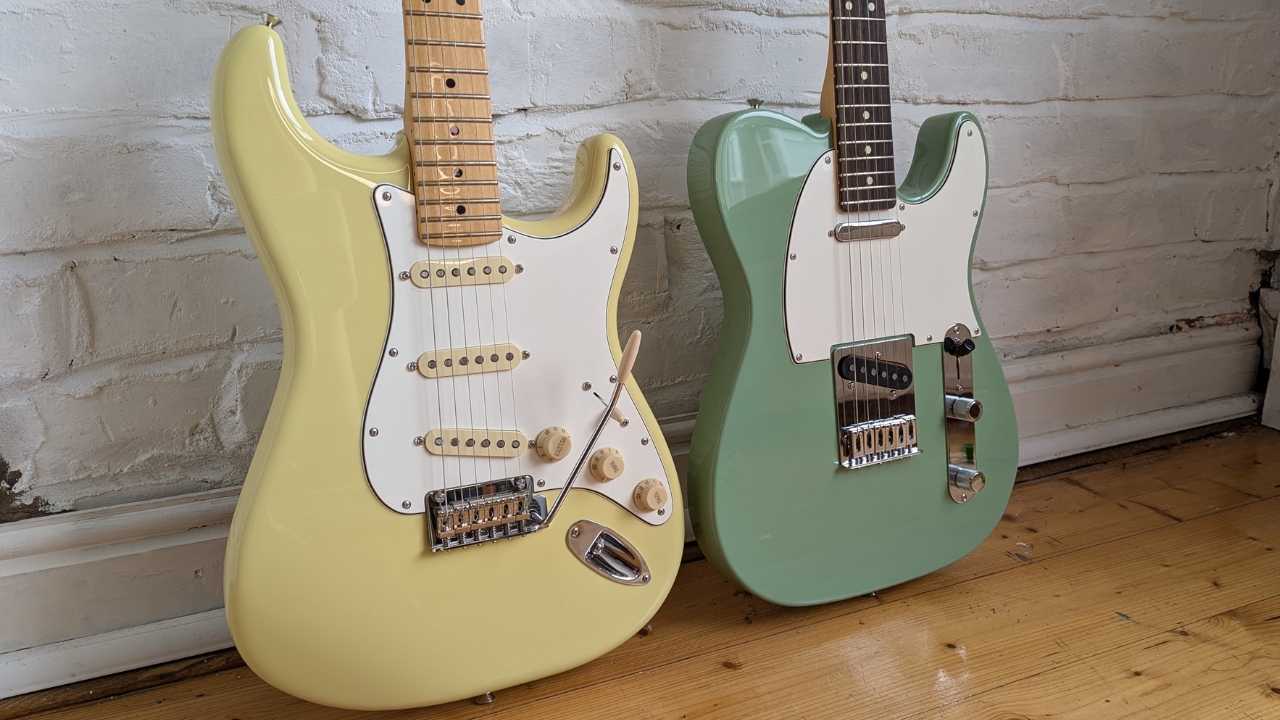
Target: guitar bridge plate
{"points": [[494, 510], [875, 402]]}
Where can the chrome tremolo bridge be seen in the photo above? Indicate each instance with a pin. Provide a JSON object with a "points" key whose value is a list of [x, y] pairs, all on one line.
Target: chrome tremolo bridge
{"points": [[875, 402], [458, 517]]}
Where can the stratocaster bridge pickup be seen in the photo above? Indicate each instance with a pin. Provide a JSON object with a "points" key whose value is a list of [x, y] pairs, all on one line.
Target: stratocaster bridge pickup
{"points": [[469, 360], [467, 442], [429, 274], [484, 512]]}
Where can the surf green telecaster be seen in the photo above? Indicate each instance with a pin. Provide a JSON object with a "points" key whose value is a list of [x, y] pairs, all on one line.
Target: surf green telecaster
{"points": [[856, 430]]}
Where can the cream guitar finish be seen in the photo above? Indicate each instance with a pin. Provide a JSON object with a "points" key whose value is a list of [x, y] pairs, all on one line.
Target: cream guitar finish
{"points": [[336, 591]]}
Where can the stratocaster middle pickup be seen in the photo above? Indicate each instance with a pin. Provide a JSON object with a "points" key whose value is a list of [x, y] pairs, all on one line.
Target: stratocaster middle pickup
{"points": [[429, 274], [469, 360]]}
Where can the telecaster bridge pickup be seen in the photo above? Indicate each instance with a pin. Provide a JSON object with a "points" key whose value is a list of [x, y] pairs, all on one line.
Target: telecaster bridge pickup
{"points": [[875, 402], [429, 274], [466, 442], [468, 361], [484, 512]]}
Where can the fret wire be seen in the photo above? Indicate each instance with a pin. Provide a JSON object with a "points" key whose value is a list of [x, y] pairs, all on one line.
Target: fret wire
{"points": [[483, 233], [451, 141], [438, 118], [480, 201], [437, 13], [445, 43], [448, 71], [452, 96], [452, 163], [454, 181]]}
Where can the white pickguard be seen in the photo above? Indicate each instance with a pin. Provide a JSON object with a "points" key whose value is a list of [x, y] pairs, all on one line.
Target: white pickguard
{"points": [[556, 310], [916, 283]]}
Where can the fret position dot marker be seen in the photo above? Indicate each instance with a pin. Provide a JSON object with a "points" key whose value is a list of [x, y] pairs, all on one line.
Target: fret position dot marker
{"points": [[870, 180], [864, 74], [866, 114], [848, 6], [867, 149], [871, 7]]}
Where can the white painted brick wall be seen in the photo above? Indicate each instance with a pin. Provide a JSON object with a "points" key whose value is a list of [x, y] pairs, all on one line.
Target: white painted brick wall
{"points": [[1133, 149]]}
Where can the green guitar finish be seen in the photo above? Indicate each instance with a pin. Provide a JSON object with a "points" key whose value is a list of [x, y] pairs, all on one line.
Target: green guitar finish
{"points": [[771, 506]]}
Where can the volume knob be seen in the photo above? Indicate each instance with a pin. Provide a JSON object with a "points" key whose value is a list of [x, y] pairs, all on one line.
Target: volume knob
{"points": [[650, 495], [553, 444], [607, 464]]}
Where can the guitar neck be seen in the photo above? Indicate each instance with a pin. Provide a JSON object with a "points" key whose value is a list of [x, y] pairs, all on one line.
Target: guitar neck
{"points": [[858, 106], [448, 121]]}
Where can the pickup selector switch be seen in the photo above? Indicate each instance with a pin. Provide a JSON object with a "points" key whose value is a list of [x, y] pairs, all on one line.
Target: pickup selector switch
{"points": [[607, 464], [650, 495], [553, 444]]}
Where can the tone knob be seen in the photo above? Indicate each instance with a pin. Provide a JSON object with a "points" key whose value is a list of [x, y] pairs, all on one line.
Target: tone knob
{"points": [[607, 464], [553, 444], [650, 495]]}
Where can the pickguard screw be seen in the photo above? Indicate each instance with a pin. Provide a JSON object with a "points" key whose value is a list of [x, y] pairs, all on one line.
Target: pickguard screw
{"points": [[393, 352], [930, 338], [827, 161], [586, 386], [373, 432], [614, 249], [404, 274], [662, 511], [799, 357], [975, 213], [412, 366], [511, 239], [541, 483], [793, 256], [575, 532], [970, 133], [406, 504], [644, 441], [903, 206], [419, 440], [519, 269], [524, 355], [386, 197], [617, 166], [613, 378]]}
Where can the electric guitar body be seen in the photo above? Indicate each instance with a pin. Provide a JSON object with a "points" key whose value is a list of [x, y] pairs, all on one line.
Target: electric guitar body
{"points": [[856, 430], [393, 545]]}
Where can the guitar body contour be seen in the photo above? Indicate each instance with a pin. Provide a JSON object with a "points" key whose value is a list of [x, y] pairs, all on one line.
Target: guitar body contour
{"points": [[332, 595], [771, 506]]}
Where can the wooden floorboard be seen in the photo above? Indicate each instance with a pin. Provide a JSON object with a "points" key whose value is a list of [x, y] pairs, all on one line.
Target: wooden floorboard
{"points": [[1166, 564]]}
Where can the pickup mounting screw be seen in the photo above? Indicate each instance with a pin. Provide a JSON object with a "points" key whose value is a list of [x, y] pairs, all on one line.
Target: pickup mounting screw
{"points": [[406, 504], [373, 432], [644, 578], [586, 386], [524, 355], [386, 196], [412, 366], [519, 269], [404, 274], [419, 440]]}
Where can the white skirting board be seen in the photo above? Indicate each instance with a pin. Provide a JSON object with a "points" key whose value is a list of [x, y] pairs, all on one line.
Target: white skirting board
{"points": [[95, 592]]}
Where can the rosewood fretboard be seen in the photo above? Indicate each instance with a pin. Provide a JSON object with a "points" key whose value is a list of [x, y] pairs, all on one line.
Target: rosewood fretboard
{"points": [[448, 122], [862, 123]]}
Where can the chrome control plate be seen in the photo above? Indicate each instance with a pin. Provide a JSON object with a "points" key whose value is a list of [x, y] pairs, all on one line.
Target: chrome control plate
{"points": [[964, 479], [875, 402]]}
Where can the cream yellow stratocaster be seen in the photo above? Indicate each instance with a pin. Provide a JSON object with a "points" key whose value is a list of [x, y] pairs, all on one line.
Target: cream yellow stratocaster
{"points": [[459, 487]]}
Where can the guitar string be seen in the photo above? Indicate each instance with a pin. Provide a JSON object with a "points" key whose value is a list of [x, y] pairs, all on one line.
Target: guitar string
{"points": [[417, 155]]}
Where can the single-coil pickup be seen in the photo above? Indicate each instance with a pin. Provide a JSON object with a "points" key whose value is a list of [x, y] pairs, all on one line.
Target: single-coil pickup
{"points": [[468, 442], [856, 368], [468, 361], [457, 273]]}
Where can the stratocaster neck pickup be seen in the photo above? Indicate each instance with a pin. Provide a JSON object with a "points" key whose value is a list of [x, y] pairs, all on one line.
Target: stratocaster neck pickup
{"points": [[469, 360], [468, 442], [429, 274]]}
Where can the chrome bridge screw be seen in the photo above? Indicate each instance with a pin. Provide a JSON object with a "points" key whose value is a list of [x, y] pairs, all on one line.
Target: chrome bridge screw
{"points": [[521, 484]]}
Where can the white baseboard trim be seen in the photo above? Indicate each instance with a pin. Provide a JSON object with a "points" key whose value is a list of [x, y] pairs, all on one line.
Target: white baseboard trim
{"points": [[127, 649], [96, 592]]}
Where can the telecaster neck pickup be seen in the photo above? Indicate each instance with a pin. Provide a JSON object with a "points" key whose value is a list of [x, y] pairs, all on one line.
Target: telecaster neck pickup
{"points": [[485, 512], [875, 402], [854, 232]]}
